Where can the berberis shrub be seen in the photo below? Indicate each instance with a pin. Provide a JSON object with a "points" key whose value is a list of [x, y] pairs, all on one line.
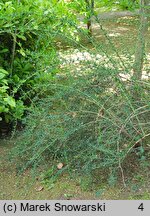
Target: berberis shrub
{"points": [[88, 123]]}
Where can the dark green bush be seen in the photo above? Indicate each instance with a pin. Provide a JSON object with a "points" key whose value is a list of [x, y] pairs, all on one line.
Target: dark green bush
{"points": [[21, 37], [28, 30]]}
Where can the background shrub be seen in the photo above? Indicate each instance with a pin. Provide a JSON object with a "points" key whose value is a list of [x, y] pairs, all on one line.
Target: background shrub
{"points": [[28, 30]]}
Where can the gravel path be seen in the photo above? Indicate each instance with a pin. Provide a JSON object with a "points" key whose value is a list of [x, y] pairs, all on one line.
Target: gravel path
{"points": [[114, 14]]}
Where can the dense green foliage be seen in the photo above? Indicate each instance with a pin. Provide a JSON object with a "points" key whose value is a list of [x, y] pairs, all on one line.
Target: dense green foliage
{"points": [[27, 32], [20, 28], [80, 6]]}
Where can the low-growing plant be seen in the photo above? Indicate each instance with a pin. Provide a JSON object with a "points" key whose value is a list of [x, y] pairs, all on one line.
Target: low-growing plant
{"points": [[91, 124]]}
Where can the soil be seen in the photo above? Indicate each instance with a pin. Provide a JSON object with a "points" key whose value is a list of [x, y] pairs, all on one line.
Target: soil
{"points": [[26, 186]]}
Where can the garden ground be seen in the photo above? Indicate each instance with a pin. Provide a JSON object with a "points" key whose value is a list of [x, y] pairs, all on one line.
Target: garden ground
{"points": [[25, 186]]}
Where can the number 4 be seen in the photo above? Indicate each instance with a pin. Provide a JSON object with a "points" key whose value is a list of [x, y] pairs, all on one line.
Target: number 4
{"points": [[141, 207]]}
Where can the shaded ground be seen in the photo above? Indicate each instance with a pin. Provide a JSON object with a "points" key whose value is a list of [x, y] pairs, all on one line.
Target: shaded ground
{"points": [[13, 186]]}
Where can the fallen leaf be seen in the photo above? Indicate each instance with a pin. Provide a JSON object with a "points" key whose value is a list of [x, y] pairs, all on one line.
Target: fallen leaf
{"points": [[60, 166], [40, 188]]}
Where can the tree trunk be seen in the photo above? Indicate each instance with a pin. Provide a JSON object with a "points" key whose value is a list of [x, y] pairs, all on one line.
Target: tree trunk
{"points": [[140, 46], [90, 10]]}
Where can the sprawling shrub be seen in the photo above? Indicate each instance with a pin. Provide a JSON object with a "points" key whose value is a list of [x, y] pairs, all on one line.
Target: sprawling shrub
{"points": [[88, 123], [89, 118]]}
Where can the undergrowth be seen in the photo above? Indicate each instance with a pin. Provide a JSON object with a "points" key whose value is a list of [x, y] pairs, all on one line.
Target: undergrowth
{"points": [[88, 123]]}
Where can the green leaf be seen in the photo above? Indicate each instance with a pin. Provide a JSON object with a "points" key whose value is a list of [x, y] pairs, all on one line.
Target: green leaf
{"points": [[10, 101], [3, 89], [8, 25], [35, 27], [7, 118], [2, 76], [19, 110], [21, 37], [3, 71], [4, 51], [4, 81], [3, 109], [16, 78], [21, 51]]}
